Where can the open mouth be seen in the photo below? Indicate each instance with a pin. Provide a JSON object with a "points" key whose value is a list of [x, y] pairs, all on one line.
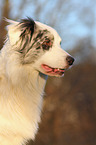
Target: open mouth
{"points": [[53, 71]]}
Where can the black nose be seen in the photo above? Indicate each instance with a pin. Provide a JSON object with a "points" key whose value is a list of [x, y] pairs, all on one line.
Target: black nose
{"points": [[70, 60]]}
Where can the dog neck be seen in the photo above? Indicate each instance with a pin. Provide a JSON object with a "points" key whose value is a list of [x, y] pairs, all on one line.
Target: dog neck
{"points": [[22, 103]]}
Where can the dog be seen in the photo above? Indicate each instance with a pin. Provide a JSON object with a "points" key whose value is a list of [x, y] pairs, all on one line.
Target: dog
{"points": [[30, 53]]}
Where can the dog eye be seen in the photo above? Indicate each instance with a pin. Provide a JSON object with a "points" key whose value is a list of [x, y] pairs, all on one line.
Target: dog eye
{"points": [[45, 47], [46, 44]]}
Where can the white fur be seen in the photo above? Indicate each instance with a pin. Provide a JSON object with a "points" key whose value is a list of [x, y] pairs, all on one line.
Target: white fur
{"points": [[21, 88]]}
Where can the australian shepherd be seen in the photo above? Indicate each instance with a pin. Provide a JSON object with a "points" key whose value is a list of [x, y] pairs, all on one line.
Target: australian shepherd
{"points": [[31, 52]]}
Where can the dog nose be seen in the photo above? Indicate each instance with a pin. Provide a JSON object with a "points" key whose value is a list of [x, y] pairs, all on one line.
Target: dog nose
{"points": [[70, 60]]}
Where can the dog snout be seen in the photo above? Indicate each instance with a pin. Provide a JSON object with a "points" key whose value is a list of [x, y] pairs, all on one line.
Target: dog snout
{"points": [[69, 60]]}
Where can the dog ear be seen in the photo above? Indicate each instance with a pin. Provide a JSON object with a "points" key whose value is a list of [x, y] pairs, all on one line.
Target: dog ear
{"points": [[13, 32], [19, 31]]}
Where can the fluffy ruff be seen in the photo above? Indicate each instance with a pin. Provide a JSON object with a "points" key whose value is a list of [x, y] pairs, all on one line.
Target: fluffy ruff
{"points": [[31, 52]]}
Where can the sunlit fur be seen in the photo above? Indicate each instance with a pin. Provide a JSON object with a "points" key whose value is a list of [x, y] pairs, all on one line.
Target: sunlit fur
{"points": [[22, 82]]}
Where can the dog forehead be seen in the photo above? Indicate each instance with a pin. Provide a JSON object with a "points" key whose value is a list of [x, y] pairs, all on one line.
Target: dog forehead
{"points": [[52, 30]]}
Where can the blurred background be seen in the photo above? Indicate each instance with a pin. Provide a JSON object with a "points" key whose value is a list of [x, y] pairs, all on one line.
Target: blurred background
{"points": [[69, 110]]}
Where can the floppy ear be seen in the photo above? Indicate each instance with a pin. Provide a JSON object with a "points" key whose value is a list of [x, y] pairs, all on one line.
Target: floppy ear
{"points": [[20, 30]]}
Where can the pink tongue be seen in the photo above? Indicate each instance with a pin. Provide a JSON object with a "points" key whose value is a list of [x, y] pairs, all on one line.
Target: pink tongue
{"points": [[47, 68], [52, 70]]}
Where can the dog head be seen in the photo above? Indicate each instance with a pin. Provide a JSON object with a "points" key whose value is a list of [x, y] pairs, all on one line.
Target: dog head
{"points": [[38, 45]]}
